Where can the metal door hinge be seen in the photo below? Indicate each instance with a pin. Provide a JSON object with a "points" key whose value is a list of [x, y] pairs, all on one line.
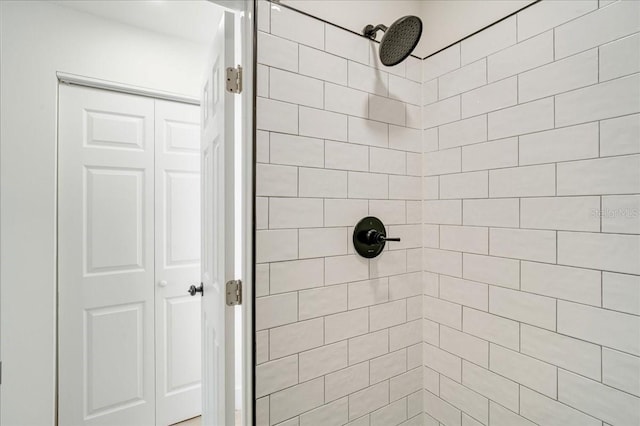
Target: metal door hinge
{"points": [[234, 79], [234, 292]]}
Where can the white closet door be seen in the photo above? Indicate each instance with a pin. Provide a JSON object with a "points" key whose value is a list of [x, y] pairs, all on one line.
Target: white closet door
{"points": [[177, 213], [105, 258]]}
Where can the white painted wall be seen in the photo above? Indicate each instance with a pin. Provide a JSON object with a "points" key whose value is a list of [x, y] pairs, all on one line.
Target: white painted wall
{"points": [[445, 21], [38, 39]]}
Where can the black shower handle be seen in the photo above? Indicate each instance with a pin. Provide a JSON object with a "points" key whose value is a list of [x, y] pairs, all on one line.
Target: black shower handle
{"points": [[373, 236]]}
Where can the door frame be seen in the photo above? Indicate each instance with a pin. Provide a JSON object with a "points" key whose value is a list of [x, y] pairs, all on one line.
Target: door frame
{"points": [[244, 11]]}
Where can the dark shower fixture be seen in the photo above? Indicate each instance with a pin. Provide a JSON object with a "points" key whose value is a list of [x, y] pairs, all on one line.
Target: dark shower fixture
{"points": [[398, 40], [370, 237]]}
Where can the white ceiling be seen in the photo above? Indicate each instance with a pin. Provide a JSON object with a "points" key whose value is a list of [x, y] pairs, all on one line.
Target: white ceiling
{"points": [[187, 19]]}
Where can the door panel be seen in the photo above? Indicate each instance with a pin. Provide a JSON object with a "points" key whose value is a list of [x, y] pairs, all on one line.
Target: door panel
{"points": [[105, 258], [177, 215]]}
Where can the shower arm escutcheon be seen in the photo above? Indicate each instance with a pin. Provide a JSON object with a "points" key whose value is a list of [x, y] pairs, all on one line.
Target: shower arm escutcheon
{"points": [[370, 237]]}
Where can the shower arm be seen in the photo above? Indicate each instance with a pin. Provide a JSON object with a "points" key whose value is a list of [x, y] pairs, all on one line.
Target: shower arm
{"points": [[370, 31]]}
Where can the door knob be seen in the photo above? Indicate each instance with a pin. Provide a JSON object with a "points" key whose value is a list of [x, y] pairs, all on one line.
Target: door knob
{"points": [[193, 290], [370, 237]]}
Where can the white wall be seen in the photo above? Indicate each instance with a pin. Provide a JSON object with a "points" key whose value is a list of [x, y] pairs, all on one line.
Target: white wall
{"points": [[39, 39], [445, 21]]}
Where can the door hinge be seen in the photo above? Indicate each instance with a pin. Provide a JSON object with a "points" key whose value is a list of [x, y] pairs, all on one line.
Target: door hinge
{"points": [[234, 79], [234, 292]]}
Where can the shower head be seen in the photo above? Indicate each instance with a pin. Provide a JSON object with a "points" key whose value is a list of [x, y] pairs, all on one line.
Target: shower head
{"points": [[399, 39]]}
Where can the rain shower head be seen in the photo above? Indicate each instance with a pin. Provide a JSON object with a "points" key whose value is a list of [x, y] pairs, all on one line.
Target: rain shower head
{"points": [[399, 39]]}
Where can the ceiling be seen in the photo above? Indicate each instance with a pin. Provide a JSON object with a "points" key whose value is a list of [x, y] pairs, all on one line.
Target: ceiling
{"points": [[187, 19]]}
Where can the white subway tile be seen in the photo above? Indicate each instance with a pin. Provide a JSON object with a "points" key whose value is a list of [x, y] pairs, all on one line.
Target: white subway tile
{"points": [[465, 185], [605, 100], [430, 92], [621, 371], [463, 79], [610, 252], [388, 211], [490, 155], [441, 63], [430, 140], [320, 242], [523, 369], [276, 116], [388, 314], [502, 212], [367, 132], [492, 270], [443, 312], [277, 52], [344, 212], [446, 212], [560, 76], [431, 332], [575, 284], [262, 81], [440, 162], [295, 400], [387, 110], [295, 213], [368, 346], [346, 156], [620, 136], [611, 405], [387, 366], [392, 414], [323, 360], [262, 212], [521, 119], [465, 399], [333, 414], [441, 112], [276, 375], [345, 100], [621, 292], [390, 161], [405, 384], [323, 124], [431, 381], [406, 285], [431, 188], [274, 246], [414, 69], [442, 411], [297, 274], [388, 263], [521, 57], [344, 382], [345, 325], [492, 39], [295, 26], [276, 180], [500, 416], [546, 15], [262, 411], [529, 181], [443, 362], [320, 183], [368, 185], [492, 328], [404, 187], [368, 400], [322, 301], [296, 150], [262, 146], [562, 213], [295, 88], [272, 311], [404, 90], [464, 238], [443, 262], [431, 236], [341, 269], [296, 337], [405, 335], [414, 116], [569, 143], [264, 15], [371, 80], [491, 385], [463, 132], [608, 328], [523, 244], [414, 164], [498, 95], [324, 66], [546, 411], [367, 293], [619, 58], [408, 234], [405, 139], [464, 292], [465, 346], [345, 44], [523, 307], [262, 346], [616, 175], [469, 421], [615, 21], [414, 357]]}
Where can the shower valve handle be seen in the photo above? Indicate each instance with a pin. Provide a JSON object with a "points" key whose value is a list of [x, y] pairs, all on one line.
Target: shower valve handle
{"points": [[374, 236]]}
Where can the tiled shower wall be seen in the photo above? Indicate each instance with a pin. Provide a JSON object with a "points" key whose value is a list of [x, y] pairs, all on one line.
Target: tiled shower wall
{"points": [[532, 216], [338, 336]]}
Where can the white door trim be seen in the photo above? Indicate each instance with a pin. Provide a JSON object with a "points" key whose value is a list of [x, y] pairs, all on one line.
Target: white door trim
{"points": [[96, 83]]}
